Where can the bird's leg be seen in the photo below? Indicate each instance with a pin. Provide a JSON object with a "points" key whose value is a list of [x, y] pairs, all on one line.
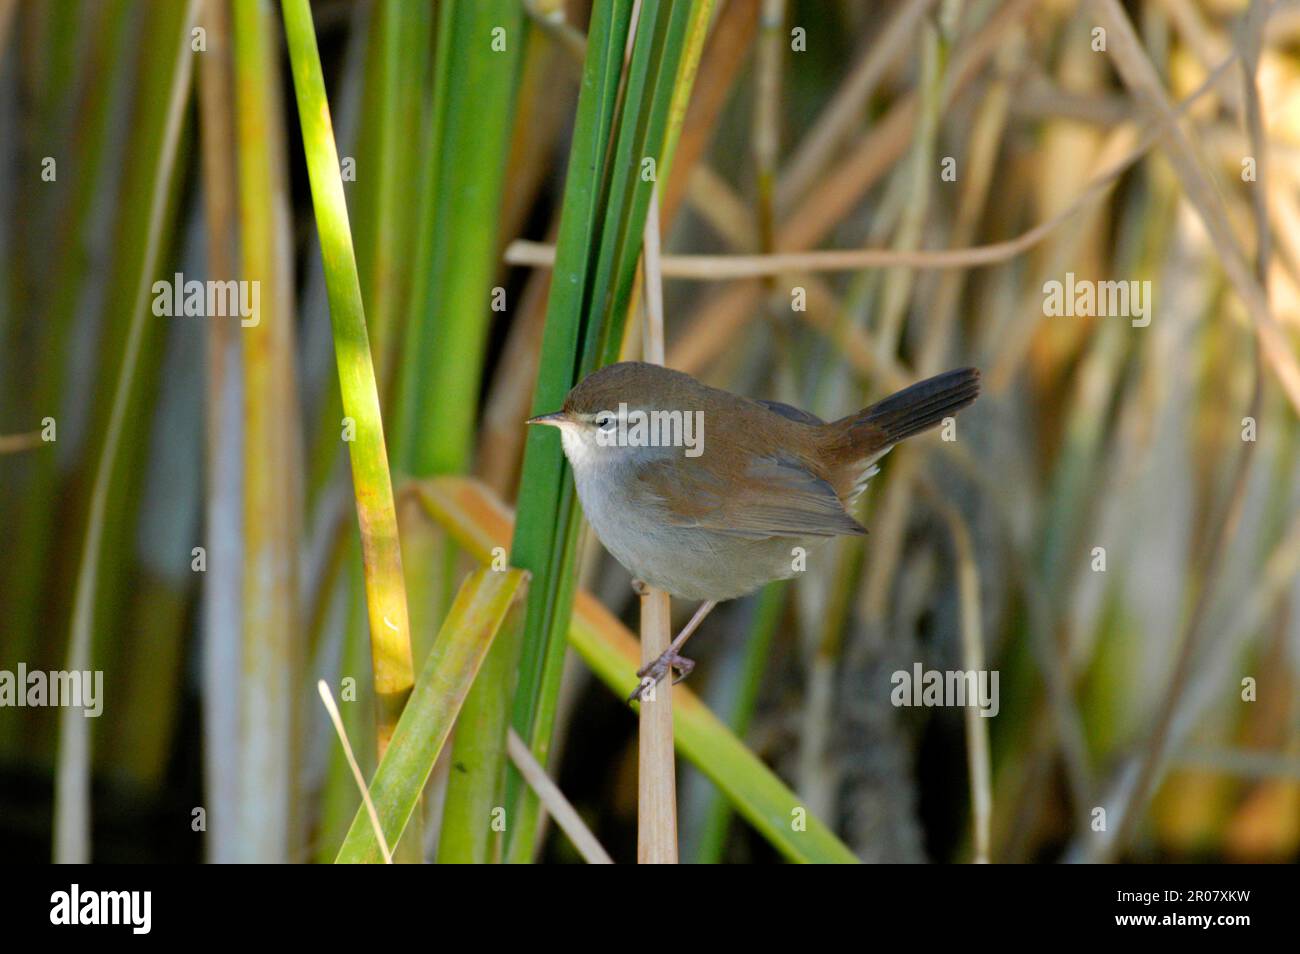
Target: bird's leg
{"points": [[704, 609], [670, 658]]}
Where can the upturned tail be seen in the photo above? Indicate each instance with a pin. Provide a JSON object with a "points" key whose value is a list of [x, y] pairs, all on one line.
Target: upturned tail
{"points": [[912, 410]]}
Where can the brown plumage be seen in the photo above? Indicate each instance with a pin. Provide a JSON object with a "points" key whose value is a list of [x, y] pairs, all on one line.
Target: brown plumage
{"points": [[870, 433], [770, 476]]}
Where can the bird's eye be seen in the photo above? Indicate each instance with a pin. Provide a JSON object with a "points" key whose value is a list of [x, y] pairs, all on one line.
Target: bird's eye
{"points": [[606, 421]]}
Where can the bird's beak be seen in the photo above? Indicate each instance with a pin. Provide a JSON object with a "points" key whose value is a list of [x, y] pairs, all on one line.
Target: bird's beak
{"points": [[557, 419]]}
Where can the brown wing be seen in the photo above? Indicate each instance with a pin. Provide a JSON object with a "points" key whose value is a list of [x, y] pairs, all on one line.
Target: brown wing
{"points": [[790, 412], [774, 497]]}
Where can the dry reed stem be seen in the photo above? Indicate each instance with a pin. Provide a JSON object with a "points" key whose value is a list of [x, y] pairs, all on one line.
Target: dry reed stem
{"points": [[653, 331], [978, 758], [725, 53], [557, 806], [717, 319], [656, 810], [328, 699], [722, 209], [725, 267], [710, 329], [222, 514], [1143, 81], [501, 443], [549, 15], [765, 134], [13, 443], [1140, 76], [834, 124], [723, 313], [656, 834]]}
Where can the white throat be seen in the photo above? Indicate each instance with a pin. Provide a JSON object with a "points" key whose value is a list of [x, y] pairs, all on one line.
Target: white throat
{"points": [[580, 447]]}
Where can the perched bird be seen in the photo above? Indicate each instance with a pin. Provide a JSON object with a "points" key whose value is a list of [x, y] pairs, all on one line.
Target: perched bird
{"points": [[707, 495]]}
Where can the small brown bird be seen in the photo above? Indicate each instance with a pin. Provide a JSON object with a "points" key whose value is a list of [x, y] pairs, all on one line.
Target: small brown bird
{"points": [[709, 495]]}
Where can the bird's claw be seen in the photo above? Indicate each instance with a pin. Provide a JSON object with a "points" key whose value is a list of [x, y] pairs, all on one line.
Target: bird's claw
{"points": [[651, 675]]}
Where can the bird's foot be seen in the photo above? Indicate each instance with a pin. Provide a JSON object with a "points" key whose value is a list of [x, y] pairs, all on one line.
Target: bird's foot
{"points": [[652, 674], [639, 587]]}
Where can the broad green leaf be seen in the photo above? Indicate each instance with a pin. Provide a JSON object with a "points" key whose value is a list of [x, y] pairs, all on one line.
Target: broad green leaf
{"points": [[381, 555], [475, 618]]}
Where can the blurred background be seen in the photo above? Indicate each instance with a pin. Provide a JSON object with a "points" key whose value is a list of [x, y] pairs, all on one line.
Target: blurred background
{"points": [[1115, 528]]}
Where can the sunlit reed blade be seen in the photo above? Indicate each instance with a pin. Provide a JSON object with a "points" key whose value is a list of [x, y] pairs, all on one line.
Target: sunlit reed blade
{"points": [[381, 554]]}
